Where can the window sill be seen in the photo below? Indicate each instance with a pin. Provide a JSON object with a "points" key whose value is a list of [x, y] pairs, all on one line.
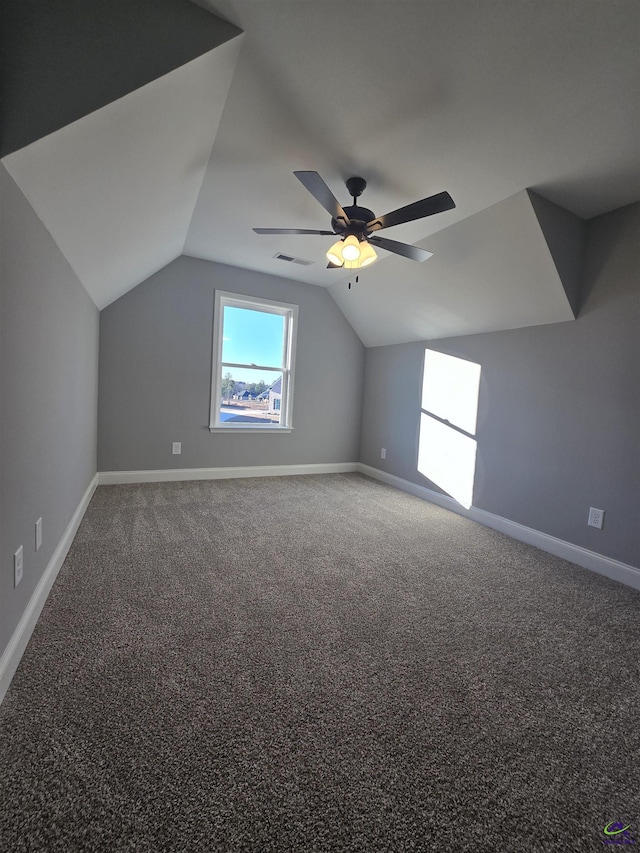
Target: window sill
{"points": [[255, 429]]}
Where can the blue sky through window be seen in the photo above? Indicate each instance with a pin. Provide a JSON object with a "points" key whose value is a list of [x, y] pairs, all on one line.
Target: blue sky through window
{"points": [[252, 337]]}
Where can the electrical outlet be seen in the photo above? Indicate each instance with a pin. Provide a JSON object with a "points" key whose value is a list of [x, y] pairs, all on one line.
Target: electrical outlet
{"points": [[596, 517], [18, 566], [383, 453], [176, 448], [38, 534]]}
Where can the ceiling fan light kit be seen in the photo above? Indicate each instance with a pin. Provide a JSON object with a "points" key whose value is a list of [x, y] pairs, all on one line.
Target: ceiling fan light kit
{"points": [[350, 248], [351, 253], [356, 225]]}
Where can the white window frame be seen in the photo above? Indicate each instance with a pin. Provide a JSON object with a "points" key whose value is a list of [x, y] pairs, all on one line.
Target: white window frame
{"points": [[224, 299]]}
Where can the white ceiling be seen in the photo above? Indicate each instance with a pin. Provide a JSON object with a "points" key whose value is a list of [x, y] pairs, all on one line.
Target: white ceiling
{"points": [[482, 99]]}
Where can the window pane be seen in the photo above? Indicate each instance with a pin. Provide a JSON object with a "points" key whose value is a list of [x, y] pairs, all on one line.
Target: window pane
{"points": [[250, 396], [252, 337]]}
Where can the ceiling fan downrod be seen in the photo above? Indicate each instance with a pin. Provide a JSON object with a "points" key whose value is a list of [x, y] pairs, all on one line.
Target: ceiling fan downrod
{"points": [[355, 187]]}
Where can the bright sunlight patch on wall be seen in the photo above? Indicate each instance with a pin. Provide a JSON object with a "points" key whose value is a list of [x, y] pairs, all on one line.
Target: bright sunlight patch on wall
{"points": [[448, 458], [447, 447], [450, 389]]}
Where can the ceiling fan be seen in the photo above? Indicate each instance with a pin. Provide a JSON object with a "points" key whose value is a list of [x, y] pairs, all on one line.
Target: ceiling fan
{"points": [[357, 226]]}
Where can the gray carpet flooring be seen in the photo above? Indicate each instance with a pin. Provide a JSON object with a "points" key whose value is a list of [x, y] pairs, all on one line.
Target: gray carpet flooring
{"points": [[318, 663]]}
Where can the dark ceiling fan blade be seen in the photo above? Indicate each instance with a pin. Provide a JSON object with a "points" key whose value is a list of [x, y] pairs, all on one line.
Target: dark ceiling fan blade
{"points": [[404, 249], [332, 266], [321, 192], [290, 231], [419, 209]]}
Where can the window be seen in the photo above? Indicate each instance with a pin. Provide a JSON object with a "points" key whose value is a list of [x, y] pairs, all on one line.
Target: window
{"points": [[253, 361], [447, 444]]}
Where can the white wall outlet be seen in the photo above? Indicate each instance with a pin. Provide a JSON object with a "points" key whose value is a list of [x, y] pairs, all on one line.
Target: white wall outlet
{"points": [[383, 453], [18, 566], [38, 534], [596, 517], [176, 448]]}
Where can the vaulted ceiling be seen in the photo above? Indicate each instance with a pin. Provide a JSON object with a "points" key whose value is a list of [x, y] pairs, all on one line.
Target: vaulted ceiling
{"points": [[143, 130]]}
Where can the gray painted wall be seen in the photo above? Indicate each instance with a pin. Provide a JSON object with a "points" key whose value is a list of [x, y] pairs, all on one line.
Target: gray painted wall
{"points": [[48, 381], [155, 375], [559, 410]]}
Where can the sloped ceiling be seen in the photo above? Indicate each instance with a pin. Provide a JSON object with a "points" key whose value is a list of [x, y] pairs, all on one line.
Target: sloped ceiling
{"points": [[493, 270], [63, 59], [484, 100], [116, 189]]}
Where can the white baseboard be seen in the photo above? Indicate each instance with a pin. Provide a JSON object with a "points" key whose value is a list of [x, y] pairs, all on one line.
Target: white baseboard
{"points": [[613, 569], [22, 634], [112, 478]]}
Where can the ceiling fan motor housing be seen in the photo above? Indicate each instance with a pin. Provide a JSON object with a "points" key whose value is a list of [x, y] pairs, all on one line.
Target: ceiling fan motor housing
{"points": [[359, 216]]}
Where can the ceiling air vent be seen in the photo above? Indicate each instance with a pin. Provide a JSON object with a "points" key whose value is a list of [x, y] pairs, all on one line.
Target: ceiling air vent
{"points": [[292, 260]]}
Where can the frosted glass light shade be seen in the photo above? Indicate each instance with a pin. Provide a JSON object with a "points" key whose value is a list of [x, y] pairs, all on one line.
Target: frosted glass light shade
{"points": [[367, 254], [351, 248], [334, 255]]}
